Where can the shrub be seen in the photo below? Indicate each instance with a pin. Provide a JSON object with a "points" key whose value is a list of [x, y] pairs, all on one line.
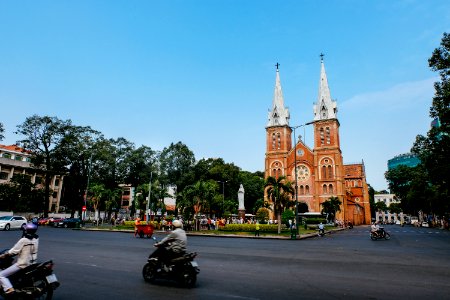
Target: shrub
{"points": [[286, 216], [315, 220], [252, 227], [262, 215]]}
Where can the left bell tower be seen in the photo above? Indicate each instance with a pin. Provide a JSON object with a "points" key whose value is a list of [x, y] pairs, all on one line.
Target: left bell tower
{"points": [[278, 133]]}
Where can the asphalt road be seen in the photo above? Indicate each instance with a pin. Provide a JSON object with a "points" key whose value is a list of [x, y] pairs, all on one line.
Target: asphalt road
{"points": [[414, 264]]}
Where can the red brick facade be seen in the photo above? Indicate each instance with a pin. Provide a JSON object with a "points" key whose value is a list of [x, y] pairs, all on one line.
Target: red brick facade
{"points": [[321, 173]]}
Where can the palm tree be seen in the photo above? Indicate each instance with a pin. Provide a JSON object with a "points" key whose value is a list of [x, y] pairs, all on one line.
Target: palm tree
{"points": [[280, 193], [330, 207], [98, 191], [197, 197]]}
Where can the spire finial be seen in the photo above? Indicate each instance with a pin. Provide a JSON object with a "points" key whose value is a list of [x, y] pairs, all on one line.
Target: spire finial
{"points": [[277, 65], [321, 57]]}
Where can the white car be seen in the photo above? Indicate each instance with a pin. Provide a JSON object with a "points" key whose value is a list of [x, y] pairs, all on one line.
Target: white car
{"points": [[10, 222]]}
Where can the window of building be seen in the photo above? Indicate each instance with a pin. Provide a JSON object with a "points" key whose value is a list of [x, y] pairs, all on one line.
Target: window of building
{"points": [[324, 189], [126, 192], [6, 155], [3, 176], [330, 189], [324, 172], [18, 157], [330, 172], [307, 189], [56, 182], [322, 139], [302, 190], [279, 140], [273, 141], [327, 134]]}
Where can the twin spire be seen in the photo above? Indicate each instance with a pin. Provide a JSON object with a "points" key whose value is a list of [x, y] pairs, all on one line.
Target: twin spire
{"points": [[279, 116], [324, 108]]}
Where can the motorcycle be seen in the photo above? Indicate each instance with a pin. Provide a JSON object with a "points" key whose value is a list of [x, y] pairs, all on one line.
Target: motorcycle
{"points": [[379, 234], [37, 281], [183, 269]]}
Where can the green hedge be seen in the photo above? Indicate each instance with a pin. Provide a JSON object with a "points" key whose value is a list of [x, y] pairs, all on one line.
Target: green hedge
{"points": [[252, 227], [315, 220], [131, 223]]}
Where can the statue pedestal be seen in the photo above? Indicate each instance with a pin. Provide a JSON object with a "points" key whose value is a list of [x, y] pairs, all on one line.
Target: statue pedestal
{"points": [[241, 214]]}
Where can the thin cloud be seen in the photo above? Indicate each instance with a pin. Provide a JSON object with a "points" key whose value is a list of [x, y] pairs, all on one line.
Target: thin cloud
{"points": [[396, 97]]}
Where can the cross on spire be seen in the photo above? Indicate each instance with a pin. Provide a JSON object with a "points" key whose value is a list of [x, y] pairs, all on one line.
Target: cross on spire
{"points": [[321, 56], [277, 65]]}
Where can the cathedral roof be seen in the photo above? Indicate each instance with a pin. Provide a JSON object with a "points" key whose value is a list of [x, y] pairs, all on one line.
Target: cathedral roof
{"points": [[325, 107], [279, 115]]}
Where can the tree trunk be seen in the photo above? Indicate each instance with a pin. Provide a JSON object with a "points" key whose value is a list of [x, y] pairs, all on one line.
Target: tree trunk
{"points": [[279, 222]]}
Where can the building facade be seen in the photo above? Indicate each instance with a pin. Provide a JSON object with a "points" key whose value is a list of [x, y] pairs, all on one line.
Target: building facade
{"points": [[407, 159], [386, 216], [15, 160], [319, 172]]}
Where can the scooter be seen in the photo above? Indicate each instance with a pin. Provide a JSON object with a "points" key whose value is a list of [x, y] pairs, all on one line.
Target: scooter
{"points": [[37, 281], [379, 234], [183, 269]]}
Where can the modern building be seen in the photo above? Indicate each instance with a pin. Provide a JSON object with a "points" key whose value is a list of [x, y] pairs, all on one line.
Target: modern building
{"points": [[319, 172], [15, 160], [407, 159]]}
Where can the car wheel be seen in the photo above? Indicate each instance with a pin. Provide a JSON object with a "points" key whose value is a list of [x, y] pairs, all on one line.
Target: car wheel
{"points": [[7, 226], [66, 225]]}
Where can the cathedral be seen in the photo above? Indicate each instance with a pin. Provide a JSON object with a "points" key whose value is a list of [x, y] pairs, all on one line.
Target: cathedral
{"points": [[320, 172]]}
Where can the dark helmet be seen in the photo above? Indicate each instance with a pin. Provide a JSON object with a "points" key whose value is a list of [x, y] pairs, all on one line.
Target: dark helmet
{"points": [[30, 228]]}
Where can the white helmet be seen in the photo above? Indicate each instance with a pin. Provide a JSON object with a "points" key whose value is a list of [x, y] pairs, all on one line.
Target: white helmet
{"points": [[177, 224]]}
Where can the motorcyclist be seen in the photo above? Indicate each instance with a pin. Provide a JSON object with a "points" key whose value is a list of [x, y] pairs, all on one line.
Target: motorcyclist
{"points": [[26, 249], [173, 245], [375, 228]]}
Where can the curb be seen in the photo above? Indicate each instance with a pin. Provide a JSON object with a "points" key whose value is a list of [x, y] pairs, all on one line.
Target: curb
{"points": [[272, 237]]}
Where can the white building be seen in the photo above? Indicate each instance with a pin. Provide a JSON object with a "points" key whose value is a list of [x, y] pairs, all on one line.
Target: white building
{"points": [[387, 216]]}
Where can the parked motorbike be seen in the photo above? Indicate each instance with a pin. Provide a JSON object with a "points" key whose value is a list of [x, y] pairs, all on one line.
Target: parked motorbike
{"points": [[36, 281], [380, 234], [183, 269]]}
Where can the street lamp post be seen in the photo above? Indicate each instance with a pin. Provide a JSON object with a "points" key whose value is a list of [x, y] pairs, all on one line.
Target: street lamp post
{"points": [[223, 195], [147, 209], [295, 169]]}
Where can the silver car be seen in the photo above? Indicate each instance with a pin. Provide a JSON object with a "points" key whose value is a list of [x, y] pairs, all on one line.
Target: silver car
{"points": [[10, 222]]}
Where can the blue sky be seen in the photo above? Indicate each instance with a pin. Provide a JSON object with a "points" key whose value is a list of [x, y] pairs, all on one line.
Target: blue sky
{"points": [[202, 72]]}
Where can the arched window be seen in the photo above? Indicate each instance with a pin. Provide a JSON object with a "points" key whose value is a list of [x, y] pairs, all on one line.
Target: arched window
{"points": [[307, 189], [324, 187], [324, 172], [302, 190], [273, 141], [327, 134], [322, 139], [330, 189], [330, 172], [279, 140]]}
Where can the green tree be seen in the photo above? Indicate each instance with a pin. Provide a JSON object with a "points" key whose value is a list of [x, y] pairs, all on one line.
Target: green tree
{"points": [[7, 196], [330, 207], [262, 215], [279, 191], [434, 149], [42, 137], [176, 162]]}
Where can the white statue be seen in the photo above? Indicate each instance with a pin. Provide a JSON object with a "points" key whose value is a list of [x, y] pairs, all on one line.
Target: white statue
{"points": [[241, 197]]}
